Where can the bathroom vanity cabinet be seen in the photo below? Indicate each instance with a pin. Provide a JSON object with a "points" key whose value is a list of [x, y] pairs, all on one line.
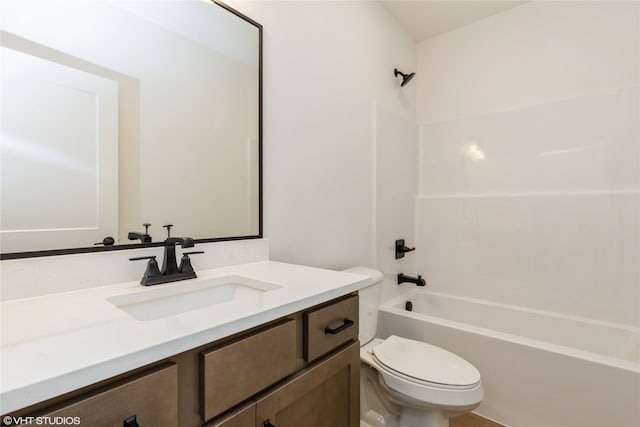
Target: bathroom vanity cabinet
{"points": [[325, 395], [301, 370]]}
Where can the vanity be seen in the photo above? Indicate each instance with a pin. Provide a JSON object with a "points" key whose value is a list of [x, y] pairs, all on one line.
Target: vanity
{"points": [[283, 352]]}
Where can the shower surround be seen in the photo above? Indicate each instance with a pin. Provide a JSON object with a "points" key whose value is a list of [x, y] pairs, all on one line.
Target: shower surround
{"points": [[529, 187]]}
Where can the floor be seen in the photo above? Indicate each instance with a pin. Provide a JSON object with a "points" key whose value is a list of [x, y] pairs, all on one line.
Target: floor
{"points": [[472, 420], [467, 420]]}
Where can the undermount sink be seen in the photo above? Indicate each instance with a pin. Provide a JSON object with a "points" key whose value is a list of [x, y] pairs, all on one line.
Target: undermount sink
{"points": [[180, 297]]}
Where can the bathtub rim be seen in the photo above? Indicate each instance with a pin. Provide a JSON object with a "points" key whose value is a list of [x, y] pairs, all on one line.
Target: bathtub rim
{"points": [[395, 305]]}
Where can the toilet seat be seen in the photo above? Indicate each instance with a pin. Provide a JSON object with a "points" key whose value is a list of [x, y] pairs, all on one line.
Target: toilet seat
{"points": [[425, 364], [418, 382], [410, 391]]}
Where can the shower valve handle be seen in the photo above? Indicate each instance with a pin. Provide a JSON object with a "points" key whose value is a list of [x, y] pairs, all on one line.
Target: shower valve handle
{"points": [[401, 249]]}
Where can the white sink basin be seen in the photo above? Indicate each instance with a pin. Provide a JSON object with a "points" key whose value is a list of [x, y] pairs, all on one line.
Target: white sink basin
{"points": [[180, 297]]}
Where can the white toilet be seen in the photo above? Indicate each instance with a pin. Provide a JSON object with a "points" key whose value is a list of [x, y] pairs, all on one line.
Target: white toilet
{"points": [[407, 383]]}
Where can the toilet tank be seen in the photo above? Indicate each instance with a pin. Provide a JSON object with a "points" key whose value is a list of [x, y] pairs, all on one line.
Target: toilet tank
{"points": [[369, 302]]}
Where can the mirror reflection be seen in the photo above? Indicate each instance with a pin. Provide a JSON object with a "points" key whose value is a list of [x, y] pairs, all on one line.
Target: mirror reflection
{"points": [[121, 113]]}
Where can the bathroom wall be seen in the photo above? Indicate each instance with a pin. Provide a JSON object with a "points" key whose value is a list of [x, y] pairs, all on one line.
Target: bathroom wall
{"points": [[31, 277], [326, 65], [395, 182], [529, 188]]}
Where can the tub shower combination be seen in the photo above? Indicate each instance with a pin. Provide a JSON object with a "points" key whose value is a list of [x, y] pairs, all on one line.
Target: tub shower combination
{"points": [[539, 369]]}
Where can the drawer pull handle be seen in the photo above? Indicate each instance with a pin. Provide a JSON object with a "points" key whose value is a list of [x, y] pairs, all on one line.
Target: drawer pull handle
{"points": [[131, 422], [347, 324]]}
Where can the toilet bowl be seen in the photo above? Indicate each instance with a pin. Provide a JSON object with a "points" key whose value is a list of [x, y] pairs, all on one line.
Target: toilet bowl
{"points": [[408, 383]]}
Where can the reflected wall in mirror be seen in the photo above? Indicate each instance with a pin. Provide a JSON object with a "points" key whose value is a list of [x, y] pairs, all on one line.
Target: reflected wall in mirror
{"points": [[117, 113]]}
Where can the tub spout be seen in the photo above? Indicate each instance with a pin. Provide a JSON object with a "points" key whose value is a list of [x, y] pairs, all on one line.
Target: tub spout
{"points": [[418, 281]]}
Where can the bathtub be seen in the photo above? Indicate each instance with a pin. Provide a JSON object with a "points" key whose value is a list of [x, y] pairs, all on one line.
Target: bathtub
{"points": [[539, 369]]}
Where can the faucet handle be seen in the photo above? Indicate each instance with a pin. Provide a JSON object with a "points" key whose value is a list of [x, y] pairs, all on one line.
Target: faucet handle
{"points": [[152, 268], [185, 262], [168, 227], [107, 241], [401, 249]]}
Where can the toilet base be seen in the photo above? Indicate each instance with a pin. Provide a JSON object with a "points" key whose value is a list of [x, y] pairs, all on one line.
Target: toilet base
{"points": [[407, 418], [378, 410], [410, 417]]}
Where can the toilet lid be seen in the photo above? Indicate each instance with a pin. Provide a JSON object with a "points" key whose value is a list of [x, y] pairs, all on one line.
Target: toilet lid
{"points": [[425, 362]]}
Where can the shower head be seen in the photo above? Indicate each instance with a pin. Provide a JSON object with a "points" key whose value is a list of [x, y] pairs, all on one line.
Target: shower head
{"points": [[406, 78]]}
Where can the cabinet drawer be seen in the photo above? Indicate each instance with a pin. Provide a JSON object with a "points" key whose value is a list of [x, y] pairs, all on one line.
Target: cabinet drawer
{"points": [[152, 398], [241, 369], [328, 327]]}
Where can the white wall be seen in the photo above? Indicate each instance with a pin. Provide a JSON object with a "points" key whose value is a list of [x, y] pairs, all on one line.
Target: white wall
{"points": [[325, 65], [530, 169], [396, 182], [31, 277]]}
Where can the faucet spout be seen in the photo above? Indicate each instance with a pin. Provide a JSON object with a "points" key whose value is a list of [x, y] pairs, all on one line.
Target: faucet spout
{"points": [[169, 261], [143, 237], [418, 281]]}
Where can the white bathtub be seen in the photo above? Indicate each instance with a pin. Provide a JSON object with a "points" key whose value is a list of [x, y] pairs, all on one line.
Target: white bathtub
{"points": [[539, 369]]}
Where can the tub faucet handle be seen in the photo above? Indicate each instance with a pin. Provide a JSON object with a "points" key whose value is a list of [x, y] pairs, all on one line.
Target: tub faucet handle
{"points": [[401, 249]]}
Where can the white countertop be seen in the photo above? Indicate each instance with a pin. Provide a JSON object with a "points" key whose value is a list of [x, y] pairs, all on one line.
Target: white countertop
{"points": [[57, 343]]}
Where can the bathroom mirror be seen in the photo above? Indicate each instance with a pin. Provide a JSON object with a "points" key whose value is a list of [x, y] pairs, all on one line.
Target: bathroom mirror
{"points": [[117, 113]]}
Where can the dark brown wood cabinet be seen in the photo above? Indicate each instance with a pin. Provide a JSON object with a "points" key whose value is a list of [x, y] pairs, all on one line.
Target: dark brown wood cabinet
{"points": [[239, 370], [326, 394], [324, 390], [150, 398], [329, 326], [245, 416]]}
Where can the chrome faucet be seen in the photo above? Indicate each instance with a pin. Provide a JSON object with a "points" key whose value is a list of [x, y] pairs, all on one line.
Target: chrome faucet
{"points": [[170, 271], [419, 281]]}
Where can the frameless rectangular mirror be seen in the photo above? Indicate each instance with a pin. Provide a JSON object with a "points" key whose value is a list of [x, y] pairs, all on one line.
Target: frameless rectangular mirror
{"points": [[117, 113]]}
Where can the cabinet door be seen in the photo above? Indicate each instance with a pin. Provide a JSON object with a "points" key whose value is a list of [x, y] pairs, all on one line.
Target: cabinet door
{"points": [[152, 398], [243, 417], [326, 394]]}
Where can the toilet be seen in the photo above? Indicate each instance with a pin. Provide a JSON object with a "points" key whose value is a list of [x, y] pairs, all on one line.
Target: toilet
{"points": [[408, 383]]}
